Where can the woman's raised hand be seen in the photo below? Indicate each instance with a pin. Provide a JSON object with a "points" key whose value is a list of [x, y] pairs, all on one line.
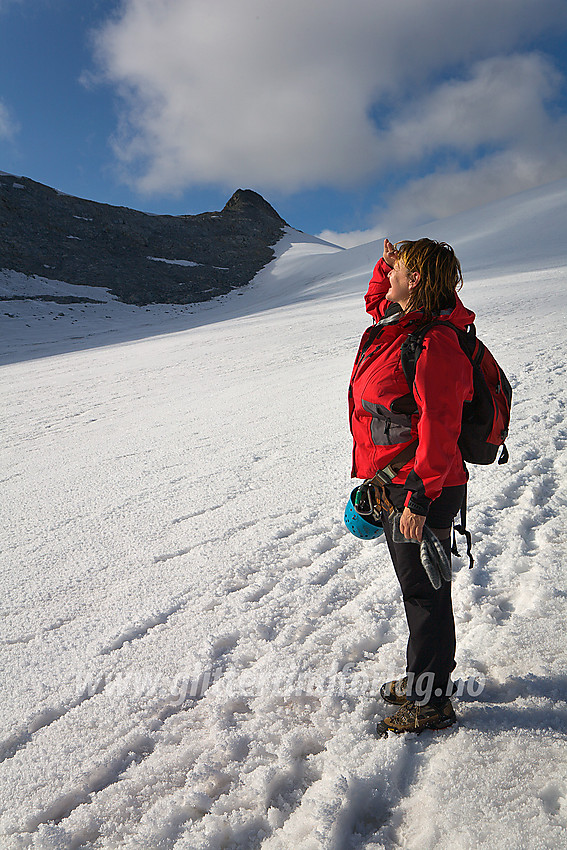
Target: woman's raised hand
{"points": [[390, 254]]}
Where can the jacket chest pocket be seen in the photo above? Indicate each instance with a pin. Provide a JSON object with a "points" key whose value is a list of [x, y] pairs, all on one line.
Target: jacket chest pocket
{"points": [[387, 428]]}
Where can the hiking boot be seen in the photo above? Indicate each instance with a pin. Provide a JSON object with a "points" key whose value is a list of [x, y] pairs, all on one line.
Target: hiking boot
{"points": [[395, 692], [411, 717]]}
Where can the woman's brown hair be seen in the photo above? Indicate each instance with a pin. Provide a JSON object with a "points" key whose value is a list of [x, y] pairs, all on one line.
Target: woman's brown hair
{"points": [[439, 270]]}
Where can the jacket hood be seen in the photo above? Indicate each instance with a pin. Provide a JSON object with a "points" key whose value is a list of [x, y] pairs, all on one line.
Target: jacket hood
{"points": [[459, 315]]}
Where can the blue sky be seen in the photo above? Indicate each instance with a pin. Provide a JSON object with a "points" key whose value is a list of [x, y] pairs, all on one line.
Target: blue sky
{"points": [[348, 115]]}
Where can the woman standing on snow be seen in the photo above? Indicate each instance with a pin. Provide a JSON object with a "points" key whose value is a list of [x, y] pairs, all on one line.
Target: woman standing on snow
{"points": [[411, 433]]}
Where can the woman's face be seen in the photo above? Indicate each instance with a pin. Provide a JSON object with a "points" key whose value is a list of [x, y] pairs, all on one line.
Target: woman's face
{"points": [[402, 282]]}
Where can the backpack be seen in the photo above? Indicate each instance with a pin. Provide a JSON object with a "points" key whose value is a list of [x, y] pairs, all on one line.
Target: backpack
{"points": [[486, 417], [484, 425]]}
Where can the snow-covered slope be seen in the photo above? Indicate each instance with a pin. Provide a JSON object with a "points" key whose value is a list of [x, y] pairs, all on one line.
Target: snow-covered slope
{"points": [[40, 316], [192, 641]]}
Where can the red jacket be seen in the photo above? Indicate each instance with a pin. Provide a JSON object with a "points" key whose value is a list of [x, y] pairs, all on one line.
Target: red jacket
{"points": [[381, 405]]}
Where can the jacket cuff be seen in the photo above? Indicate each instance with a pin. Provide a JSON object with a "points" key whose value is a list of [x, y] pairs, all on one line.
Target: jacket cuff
{"points": [[417, 504]]}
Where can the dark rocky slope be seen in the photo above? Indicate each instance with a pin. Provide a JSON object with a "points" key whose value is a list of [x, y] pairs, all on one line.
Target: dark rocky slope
{"points": [[47, 233]]}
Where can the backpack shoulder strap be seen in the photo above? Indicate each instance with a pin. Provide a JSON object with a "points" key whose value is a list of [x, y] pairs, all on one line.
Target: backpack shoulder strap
{"points": [[410, 351], [413, 345]]}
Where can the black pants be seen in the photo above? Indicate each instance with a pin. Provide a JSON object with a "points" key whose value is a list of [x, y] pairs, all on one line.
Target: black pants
{"points": [[429, 612]]}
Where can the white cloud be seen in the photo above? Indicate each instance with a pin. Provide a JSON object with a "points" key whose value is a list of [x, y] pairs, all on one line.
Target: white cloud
{"points": [[500, 106], [500, 101], [8, 127], [293, 95], [442, 194]]}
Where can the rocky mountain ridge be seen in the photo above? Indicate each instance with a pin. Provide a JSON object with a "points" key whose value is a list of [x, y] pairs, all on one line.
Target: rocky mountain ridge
{"points": [[139, 257]]}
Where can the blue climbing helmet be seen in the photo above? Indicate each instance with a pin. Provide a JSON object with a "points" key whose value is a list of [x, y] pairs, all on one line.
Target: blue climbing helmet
{"points": [[362, 525]]}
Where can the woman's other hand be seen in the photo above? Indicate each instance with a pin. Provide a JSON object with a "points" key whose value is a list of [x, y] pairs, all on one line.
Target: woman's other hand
{"points": [[390, 254], [411, 525]]}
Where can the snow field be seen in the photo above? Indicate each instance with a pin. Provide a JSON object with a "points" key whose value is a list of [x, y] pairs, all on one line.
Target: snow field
{"points": [[193, 642]]}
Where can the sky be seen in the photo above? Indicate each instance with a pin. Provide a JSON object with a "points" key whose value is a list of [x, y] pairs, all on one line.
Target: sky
{"points": [[354, 118]]}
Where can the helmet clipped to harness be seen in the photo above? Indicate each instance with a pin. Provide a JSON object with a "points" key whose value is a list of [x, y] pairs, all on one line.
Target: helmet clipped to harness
{"points": [[359, 517]]}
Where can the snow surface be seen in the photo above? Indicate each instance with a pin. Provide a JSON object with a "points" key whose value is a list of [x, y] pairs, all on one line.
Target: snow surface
{"points": [[192, 641], [189, 263], [175, 262]]}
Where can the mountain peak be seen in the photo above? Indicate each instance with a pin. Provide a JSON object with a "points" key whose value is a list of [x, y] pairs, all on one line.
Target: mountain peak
{"points": [[140, 258], [245, 200]]}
